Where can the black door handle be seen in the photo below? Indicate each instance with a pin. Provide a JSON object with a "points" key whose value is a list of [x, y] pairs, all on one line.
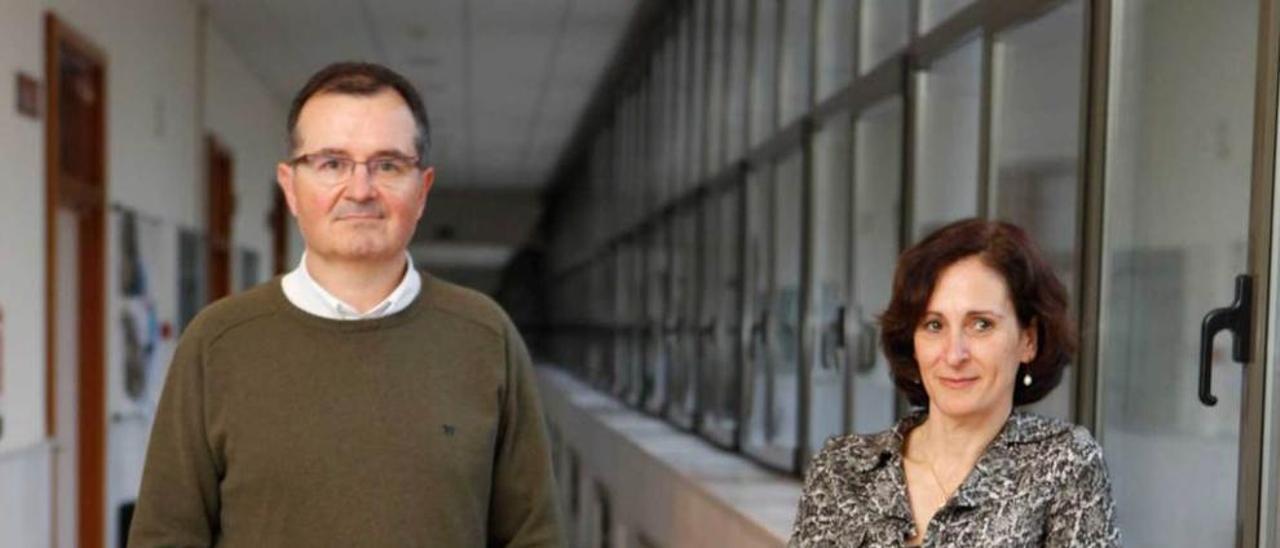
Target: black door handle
{"points": [[1236, 319]]}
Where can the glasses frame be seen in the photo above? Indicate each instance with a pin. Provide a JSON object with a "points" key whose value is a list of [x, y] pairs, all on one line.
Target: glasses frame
{"points": [[414, 162]]}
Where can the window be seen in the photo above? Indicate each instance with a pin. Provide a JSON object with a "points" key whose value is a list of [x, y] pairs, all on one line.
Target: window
{"points": [[835, 45], [764, 48], [883, 31], [832, 181], [1035, 176], [946, 176], [797, 60], [877, 223]]}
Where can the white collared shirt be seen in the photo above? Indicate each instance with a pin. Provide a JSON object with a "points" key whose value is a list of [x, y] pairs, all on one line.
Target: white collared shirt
{"points": [[306, 293]]}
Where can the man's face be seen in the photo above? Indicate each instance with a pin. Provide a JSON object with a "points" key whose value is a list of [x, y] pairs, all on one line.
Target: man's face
{"points": [[363, 217]]}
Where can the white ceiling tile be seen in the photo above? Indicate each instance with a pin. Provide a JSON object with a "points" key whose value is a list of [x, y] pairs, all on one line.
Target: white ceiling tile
{"points": [[505, 81]]}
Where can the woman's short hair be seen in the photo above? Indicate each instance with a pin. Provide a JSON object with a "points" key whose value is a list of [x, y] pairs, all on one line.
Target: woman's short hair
{"points": [[1038, 297]]}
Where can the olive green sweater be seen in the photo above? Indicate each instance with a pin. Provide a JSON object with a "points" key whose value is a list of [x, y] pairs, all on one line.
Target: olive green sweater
{"points": [[279, 428]]}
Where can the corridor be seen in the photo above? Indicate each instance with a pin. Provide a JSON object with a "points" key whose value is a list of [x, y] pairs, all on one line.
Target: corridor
{"points": [[690, 209]]}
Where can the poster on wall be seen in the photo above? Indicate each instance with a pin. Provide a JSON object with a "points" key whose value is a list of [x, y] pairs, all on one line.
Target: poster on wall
{"points": [[140, 345]]}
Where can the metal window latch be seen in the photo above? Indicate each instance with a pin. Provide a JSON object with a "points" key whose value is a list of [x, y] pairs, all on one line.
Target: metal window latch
{"points": [[1237, 319]]}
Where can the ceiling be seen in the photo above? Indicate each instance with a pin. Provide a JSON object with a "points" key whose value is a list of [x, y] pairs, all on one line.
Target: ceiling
{"points": [[505, 81]]}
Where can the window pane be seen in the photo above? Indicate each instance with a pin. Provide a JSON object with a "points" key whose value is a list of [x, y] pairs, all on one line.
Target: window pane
{"points": [[1176, 231], [621, 323], [683, 318], [877, 223], [1035, 152], [946, 180], [933, 12], [796, 59], [736, 96], [773, 431], [708, 351], [759, 264], [698, 94], [682, 95], [721, 417], [669, 132], [658, 140], [831, 200], [639, 321], [764, 46], [716, 81], [884, 29], [655, 378], [835, 45]]}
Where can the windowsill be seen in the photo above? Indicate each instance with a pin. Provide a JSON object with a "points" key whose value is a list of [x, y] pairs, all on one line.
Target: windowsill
{"points": [[674, 486]]}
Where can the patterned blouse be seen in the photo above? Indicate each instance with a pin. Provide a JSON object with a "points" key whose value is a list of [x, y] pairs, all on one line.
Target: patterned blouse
{"points": [[1041, 482]]}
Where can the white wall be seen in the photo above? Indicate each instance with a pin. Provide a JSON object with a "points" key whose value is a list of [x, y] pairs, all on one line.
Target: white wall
{"points": [[250, 122], [155, 166]]}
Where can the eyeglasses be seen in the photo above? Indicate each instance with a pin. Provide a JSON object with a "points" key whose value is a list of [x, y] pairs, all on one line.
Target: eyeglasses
{"points": [[335, 169]]}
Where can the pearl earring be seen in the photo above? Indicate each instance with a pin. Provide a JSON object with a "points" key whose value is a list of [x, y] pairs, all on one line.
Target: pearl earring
{"points": [[1026, 379]]}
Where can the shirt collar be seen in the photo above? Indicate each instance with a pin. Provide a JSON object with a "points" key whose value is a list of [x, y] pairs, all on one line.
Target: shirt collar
{"points": [[306, 293], [1019, 428], [991, 478]]}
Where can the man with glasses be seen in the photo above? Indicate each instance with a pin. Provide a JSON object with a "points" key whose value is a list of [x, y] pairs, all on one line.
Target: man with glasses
{"points": [[354, 401]]}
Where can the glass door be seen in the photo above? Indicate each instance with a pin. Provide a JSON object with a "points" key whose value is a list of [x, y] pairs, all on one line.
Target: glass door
{"points": [[1175, 234]]}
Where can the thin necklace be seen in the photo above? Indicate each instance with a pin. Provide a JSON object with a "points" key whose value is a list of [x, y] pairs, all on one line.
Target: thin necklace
{"points": [[946, 495]]}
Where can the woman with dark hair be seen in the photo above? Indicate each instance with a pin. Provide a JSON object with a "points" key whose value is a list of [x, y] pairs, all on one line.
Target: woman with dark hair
{"points": [[976, 326]]}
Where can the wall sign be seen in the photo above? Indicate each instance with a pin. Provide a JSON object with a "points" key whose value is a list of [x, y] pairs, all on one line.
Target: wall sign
{"points": [[28, 96]]}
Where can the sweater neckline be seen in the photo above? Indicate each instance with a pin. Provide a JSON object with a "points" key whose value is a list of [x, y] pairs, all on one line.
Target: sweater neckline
{"points": [[287, 308]]}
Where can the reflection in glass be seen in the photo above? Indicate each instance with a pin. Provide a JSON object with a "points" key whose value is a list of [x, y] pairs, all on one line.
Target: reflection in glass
{"points": [[1035, 148], [946, 154], [1176, 226], [877, 224], [830, 259]]}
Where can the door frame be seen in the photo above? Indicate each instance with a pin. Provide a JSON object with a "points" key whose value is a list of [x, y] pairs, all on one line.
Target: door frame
{"points": [[1254, 421], [88, 199]]}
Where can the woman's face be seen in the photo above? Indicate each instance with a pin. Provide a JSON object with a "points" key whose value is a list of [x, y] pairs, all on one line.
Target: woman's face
{"points": [[969, 344]]}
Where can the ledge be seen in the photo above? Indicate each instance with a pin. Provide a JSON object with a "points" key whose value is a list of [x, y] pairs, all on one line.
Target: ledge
{"points": [[665, 485]]}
